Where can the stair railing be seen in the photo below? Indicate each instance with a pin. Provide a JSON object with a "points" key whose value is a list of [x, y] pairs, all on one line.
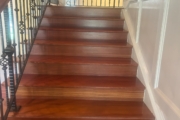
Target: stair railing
{"points": [[19, 23], [90, 3]]}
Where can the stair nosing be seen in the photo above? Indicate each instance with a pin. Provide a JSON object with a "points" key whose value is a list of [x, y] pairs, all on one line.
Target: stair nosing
{"points": [[116, 45], [131, 62], [84, 18], [82, 30]]}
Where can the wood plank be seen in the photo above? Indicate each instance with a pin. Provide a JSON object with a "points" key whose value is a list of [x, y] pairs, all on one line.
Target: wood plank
{"points": [[81, 87], [93, 12], [70, 109], [66, 22], [82, 35], [82, 48]]}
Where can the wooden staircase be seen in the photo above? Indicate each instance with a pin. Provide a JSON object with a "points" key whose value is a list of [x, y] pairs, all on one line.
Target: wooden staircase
{"points": [[80, 68]]}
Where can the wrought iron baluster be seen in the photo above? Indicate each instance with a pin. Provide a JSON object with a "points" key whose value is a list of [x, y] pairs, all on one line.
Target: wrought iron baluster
{"points": [[21, 30], [9, 51], [18, 36], [4, 64], [27, 17], [1, 103], [14, 42]]}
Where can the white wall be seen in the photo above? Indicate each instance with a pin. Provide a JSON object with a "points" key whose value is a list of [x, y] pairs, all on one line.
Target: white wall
{"points": [[154, 28]]}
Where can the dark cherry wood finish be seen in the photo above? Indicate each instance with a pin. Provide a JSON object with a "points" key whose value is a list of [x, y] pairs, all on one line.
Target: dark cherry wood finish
{"points": [[70, 109], [82, 48], [97, 23], [89, 12], [84, 87], [80, 68]]}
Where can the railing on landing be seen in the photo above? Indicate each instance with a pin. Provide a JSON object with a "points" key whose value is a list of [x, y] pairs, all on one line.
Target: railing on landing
{"points": [[89, 3], [19, 22]]}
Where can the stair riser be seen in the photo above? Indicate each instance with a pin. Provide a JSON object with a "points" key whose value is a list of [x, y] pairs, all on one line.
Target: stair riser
{"points": [[68, 50], [83, 12], [80, 93], [82, 23], [84, 35], [80, 69]]}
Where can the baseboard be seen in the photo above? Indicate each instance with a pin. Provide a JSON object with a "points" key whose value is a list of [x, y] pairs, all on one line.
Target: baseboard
{"points": [[138, 57], [168, 102]]}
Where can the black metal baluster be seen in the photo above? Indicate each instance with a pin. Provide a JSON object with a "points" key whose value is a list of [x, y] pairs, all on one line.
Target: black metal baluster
{"points": [[109, 2], [2, 46], [31, 20], [9, 51], [101, 3], [18, 36], [91, 2], [118, 2], [28, 15], [21, 30], [1, 103], [14, 43], [25, 35], [4, 63]]}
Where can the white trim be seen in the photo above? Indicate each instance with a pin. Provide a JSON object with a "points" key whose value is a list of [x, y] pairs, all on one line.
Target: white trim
{"points": [[168, 102], [143, 68], [161, 44], [139, 21]]}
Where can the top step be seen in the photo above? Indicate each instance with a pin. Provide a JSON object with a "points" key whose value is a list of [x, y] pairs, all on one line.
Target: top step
{"points": [[83, 12]]}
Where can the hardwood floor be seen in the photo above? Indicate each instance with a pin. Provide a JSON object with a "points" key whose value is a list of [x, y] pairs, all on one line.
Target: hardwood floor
{"points": [[66, 109], [80, 68]]}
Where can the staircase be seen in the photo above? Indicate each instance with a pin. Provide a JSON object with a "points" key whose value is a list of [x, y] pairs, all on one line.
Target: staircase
{"points": [[80, 68]]}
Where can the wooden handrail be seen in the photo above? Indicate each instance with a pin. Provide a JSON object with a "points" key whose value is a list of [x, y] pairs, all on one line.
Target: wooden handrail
{"points": [[3, 4]]}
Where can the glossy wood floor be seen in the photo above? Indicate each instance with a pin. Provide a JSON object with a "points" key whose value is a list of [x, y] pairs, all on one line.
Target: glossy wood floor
{"points": [[80, 68]]}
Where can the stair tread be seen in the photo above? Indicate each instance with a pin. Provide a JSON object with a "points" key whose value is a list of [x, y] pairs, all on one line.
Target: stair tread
{"points": [[91, 18], [81, 60], [83, 43], [82, 109], [130, 83], [83, 29]]}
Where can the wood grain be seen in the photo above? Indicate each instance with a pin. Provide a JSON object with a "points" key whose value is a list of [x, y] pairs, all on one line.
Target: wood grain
{"points": [[70, 109], [80, 69], [75, 22], [64, 65], [61, 34], [82, 48], [83, 12], [81, 87]]}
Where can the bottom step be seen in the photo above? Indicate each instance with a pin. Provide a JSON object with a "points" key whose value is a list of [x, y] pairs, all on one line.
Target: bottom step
{"points": [[69, 109]]}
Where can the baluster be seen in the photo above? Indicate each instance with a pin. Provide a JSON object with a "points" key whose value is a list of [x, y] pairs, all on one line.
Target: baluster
{"points": [[28, 28], [1, 103], [4, 63], [18, 37], [9, 51], [21, 30], [14, 43], [1, 63]]}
